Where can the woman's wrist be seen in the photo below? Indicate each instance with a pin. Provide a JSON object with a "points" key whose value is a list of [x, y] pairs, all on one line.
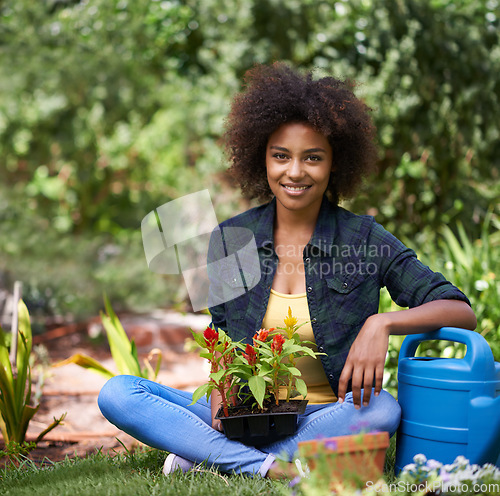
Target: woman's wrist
{"points": [[381, 322]]}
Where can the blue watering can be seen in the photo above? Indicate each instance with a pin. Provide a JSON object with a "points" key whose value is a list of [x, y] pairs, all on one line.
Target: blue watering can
{"points": [[449, 406]]}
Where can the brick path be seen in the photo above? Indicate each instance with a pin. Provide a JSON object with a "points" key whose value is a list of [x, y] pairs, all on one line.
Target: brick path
{"points": [[74, 390]]}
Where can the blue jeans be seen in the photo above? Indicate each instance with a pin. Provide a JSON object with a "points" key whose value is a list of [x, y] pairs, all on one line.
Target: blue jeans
{"points": [[163, 418]]}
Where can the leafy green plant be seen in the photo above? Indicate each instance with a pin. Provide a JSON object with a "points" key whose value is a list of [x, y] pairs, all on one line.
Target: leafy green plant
{"points": [[164, 101], [291, 329], [16, 410], [257, 370], [123, 351], [474, 266], [219, 352]]}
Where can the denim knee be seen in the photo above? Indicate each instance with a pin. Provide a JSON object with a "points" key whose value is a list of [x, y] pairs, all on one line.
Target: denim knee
{"points": [[389, 413], [113, 396]]}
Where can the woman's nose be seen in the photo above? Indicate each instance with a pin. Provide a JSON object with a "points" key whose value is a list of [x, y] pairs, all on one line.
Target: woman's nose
{"points": [[295, 169]]}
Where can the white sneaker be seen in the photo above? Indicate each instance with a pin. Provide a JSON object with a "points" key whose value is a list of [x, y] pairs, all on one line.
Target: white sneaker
{"points": [[174, 462]]}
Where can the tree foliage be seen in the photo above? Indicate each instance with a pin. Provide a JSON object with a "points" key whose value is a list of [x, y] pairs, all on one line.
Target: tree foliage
{"points": [[111, 108]]}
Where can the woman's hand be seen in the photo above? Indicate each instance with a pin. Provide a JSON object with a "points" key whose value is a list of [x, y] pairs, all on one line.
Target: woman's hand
{"points": [[366, 357], [366, 361]]}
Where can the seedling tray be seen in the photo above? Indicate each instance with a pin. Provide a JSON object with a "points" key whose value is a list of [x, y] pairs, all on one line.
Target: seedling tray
{"points": [[260, 428]]}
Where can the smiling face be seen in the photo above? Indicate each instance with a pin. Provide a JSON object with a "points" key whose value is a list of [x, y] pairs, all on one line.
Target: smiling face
{"points": [[299, 163]]}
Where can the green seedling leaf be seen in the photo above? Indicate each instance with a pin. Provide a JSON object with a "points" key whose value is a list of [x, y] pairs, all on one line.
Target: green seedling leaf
{"points": [[3, 428], [24, 323], [204, 389], [266, 351], [4, 358], [217, 376], [290, 347], [87, 363], [27, 414], [7, 406], [118, 347], [230, 349], [294, 371], [22, 384], [258, 387], [310, 352], [135, 356], [53, 425], [265, 368], [15, 386], [240, 345], [123, 351], [301, 387], [200, 340]]}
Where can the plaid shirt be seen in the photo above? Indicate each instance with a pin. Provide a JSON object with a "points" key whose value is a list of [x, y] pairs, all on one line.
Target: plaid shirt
{"points": [[346, 262]]}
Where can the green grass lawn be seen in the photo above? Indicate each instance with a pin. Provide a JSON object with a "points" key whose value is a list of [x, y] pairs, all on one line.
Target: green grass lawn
{"points": [[140, 473], [127, 474], [136, 473]]}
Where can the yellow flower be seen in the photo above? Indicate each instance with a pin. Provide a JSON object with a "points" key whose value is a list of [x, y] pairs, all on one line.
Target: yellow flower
{"points": [[290, 322]]}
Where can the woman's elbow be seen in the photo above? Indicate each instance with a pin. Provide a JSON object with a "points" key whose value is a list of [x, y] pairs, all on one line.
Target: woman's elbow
{"points": [[469, 317]]}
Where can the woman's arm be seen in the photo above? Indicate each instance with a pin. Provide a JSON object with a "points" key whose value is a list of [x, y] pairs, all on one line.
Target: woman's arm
{"points": [[215, 403], [368, 352], [430, 316]]}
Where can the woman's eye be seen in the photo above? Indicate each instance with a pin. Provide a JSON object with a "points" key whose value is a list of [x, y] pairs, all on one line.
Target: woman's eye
{"points": [[279, 156], [314, 158]]}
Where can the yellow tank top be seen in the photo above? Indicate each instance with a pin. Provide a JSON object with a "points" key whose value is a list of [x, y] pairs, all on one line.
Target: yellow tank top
{"points": [[318, 388]]}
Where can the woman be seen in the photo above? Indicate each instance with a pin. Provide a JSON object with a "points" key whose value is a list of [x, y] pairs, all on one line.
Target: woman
{"points": [[305, 144]]}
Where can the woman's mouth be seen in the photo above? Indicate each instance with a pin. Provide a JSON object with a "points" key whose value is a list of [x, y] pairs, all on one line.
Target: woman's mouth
{"points": [[295, 190]]}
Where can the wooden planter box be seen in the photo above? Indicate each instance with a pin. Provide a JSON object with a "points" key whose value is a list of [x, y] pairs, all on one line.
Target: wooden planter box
{"points": [[350, 460]]}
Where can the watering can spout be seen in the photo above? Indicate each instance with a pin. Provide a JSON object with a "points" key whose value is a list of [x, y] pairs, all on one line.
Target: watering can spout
{"points": [[484, 429]]}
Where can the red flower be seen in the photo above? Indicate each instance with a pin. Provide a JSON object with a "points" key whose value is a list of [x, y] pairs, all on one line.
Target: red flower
{"points": [[262, 335], [211, 337], [250, 355], [277, 344]]}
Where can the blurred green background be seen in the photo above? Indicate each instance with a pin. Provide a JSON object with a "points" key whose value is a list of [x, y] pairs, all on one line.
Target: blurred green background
{"points": [[110, 108]]}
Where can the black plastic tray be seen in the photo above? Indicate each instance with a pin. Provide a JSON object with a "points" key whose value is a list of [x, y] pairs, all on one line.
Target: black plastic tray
{"points": [[261, 428]]}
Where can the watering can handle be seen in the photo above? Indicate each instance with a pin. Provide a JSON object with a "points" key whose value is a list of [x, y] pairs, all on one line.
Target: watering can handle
{"points": [[478, 354]]}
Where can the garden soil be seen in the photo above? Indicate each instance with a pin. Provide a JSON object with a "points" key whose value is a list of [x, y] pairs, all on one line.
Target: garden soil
{"points": [[73, 390]]}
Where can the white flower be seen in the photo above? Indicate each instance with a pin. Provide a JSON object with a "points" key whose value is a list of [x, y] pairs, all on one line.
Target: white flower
{"points": [[461, 461], [453, 478], [467, 474], [409, 468], [481, 285], [434, 464], [490, 469]]}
